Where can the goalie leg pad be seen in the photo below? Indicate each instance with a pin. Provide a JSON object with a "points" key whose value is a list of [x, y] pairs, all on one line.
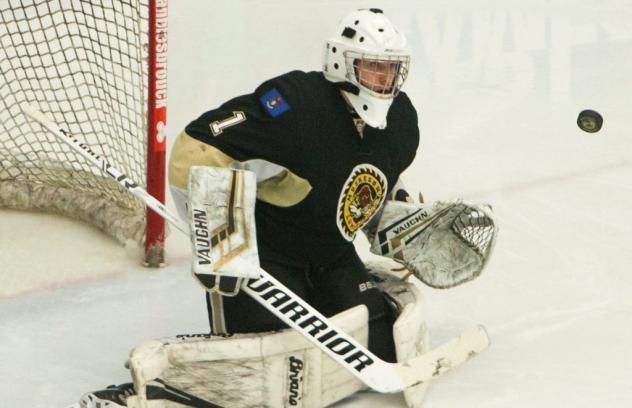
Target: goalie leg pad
{"points": [[274, 369], [410, 331]]}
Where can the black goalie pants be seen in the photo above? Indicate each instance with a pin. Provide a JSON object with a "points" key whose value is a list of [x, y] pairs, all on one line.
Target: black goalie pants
{"points": [[331, 289]]}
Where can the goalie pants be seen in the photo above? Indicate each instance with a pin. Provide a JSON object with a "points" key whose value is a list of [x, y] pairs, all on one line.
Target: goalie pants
{"points": [[329, 288]]}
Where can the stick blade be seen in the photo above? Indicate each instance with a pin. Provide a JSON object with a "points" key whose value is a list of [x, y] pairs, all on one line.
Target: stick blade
{"points": [[446, 357], [37, 115], [29, 110]]}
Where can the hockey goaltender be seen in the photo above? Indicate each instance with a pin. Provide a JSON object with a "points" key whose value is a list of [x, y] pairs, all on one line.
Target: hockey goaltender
{"points": [[282, 179]]}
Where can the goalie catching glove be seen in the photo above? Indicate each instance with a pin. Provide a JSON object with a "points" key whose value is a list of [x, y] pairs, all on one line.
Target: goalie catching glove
{"points": [[444, 244], [221, 207]]}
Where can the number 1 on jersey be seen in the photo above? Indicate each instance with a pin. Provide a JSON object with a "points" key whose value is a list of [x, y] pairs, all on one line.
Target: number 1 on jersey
{"points": [[218, 126]]}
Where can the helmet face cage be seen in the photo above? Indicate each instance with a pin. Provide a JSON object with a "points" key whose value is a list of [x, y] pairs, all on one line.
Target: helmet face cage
{"points": [[382, 76]]}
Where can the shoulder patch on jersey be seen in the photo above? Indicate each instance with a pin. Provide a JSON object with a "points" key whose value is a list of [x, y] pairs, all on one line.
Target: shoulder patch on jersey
{"points": [[363, 194], [274, 103]]}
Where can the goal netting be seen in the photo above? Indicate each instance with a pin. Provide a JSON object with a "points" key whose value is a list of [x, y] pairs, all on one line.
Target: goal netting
{"points": [[95, 67]]}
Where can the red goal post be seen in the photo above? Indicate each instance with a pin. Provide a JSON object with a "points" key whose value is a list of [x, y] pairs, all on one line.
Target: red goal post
{"points": [[99, 68], [156, 128]]}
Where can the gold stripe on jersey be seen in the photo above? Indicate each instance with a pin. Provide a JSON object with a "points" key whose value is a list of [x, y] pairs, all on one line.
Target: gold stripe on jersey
{"points": [[283, 190], [217, 314], [188, 152]]}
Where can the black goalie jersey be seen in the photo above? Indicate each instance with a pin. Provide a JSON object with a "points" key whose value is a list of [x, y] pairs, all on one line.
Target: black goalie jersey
{"points": [[333, 180]]}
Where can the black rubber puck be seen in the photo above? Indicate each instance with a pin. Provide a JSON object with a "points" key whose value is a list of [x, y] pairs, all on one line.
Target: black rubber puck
{"points": [[589, 121]]}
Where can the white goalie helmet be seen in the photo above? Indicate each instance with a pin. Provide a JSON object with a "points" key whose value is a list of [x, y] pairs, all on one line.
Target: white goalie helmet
{"points": [[371, 56]]}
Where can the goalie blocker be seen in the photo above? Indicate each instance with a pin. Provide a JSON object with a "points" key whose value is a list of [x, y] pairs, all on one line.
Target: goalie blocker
{"points": [[221, 212]]}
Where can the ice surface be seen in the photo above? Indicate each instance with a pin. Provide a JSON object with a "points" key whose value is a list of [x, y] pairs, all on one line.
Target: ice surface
{"points": [[498, 85]]}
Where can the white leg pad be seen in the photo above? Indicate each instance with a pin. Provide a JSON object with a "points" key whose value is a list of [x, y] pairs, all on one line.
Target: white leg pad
{"points": [[410, 331], [278, 369]]}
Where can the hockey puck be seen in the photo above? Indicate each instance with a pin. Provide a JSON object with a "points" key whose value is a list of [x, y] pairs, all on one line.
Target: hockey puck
{"points": [[589, 121]]}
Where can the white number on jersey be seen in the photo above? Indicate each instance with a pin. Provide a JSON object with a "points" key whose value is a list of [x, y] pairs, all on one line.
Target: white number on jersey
{"points": [[218, 126]]}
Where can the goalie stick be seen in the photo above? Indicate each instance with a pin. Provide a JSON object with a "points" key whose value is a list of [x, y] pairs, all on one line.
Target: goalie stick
{"points": [[301, 316]]}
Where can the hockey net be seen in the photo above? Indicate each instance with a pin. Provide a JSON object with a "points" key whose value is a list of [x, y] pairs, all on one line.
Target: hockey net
{"points": [[98, 68]]}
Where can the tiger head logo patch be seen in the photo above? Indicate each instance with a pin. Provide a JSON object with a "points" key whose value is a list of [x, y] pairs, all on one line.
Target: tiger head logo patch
{"points": [[362, 195]]}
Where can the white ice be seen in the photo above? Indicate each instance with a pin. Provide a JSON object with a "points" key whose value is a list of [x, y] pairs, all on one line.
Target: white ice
{"points": [[498, 86]]}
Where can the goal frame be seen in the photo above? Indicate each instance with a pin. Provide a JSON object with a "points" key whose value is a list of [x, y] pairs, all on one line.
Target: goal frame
{"points": [[101, 67], [155, 231]]}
